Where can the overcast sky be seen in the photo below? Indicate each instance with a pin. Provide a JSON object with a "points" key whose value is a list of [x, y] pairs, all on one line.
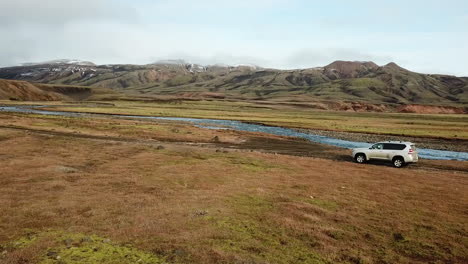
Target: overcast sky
{"points": [[428, 36]]}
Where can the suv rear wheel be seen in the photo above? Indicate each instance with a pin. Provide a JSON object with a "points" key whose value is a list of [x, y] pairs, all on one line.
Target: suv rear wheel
{"points": [[360, 158], [398, 162]]}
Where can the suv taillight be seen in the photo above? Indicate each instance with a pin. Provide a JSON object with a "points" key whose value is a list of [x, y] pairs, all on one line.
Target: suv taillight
{"points": [[410, 151]]}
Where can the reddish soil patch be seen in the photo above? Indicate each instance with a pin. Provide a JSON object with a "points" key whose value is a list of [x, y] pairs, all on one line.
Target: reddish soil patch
{"points": [[430, 109]]}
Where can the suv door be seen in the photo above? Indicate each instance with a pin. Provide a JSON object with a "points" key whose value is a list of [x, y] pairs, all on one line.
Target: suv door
{"points": [[389, 150], [376, 151], [392, 149]]}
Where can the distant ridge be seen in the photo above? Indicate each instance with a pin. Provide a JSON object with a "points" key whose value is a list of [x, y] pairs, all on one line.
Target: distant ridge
{"points": [[395, 66], [344, 67], [363, 81], [350, 69]]}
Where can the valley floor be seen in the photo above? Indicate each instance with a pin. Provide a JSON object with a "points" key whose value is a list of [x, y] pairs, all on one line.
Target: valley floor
{"points": [[106, 190], [436, 126]]}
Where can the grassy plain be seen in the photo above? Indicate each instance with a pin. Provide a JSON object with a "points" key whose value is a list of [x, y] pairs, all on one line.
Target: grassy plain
{"points": [[399, 124], [107, 190]]}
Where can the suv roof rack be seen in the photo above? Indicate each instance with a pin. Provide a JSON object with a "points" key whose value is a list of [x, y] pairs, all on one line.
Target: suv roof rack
{"points": [[397, 142]]}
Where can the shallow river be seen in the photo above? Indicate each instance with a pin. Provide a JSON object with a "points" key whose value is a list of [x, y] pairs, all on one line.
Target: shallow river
{"points": [[241, 126]]}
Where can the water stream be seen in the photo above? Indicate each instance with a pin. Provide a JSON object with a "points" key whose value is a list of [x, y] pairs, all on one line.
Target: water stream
{"points": [[242, 126]]}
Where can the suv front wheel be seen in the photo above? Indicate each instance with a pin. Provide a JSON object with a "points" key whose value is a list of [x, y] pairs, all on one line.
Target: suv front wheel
{"points": [[398, 162], [360, 158]]}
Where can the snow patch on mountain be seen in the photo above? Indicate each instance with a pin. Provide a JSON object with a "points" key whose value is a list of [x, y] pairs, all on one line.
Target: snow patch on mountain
{"points": [[171, 62], [250, 66], [60, 62]]}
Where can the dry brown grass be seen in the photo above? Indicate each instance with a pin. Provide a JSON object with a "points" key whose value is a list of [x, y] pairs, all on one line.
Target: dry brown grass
{"points": [[170, 131], [195, 205]]}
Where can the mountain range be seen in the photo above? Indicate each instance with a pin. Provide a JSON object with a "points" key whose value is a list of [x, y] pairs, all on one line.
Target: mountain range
{"points": [[338, 81]]}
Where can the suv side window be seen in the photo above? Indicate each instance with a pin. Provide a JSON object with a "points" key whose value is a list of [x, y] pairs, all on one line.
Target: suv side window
{"points": [[392, 146], [377, 146], [400, 146]]}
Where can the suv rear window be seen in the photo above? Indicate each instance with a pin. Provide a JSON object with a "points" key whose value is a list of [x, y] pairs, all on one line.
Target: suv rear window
{"points": [[393, 146]]}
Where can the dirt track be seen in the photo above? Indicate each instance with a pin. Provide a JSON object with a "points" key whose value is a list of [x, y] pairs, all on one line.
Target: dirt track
{"points": [[266, 144]]}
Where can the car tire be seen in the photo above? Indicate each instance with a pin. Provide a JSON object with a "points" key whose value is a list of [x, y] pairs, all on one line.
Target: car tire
{"points": [[398, 162], [360, 158]]}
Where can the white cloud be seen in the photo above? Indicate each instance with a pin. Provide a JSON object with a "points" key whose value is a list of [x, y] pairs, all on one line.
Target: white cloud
{"points": [[59, 12], [121, 31]]}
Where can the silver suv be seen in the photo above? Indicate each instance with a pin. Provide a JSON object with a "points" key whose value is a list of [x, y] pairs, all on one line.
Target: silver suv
{"points": [[399, 153]]}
